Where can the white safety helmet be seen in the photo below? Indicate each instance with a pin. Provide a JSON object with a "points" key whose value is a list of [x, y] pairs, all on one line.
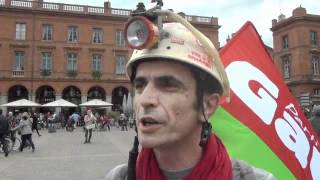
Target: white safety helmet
{"points": [[181, 45]]}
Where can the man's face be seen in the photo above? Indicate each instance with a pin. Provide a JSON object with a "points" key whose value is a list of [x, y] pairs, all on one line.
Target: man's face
{"points": [[165, 104]]}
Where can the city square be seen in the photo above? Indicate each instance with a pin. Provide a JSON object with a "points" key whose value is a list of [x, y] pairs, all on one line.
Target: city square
{"points": [[227, 90], [63, 156]]}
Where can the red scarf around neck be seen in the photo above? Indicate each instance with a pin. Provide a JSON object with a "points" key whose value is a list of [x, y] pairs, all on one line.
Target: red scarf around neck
{"points": [[214, 164]]}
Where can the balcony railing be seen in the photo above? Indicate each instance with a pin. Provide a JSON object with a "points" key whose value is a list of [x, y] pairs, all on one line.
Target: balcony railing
{"points": [[61, 75], [17, 73], [59, 7], [80, 9], [96, 10], [303, 78], [120, 12], [27, 4], [315, 99]]}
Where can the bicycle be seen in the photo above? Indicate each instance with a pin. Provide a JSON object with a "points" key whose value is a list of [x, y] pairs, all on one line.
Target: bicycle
{"points": [[13, 145], [16, 143], [9, 144]]}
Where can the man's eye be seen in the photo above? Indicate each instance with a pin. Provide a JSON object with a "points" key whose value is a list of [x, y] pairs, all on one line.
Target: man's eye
{"points": [[138, 86], [168, 84]]}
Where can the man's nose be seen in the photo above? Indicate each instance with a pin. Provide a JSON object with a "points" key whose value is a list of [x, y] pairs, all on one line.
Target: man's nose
{"points": [[149, 96]]}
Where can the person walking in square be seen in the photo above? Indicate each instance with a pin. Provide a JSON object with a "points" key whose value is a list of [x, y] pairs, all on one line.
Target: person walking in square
{"points": [[4, 131], [89, 120], [123, 122], [35, 123], [12, 123], [105, 121], [25, 127]]}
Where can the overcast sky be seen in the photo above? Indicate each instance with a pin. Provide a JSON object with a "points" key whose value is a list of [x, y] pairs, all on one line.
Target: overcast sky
{"points": [[232, 14]]}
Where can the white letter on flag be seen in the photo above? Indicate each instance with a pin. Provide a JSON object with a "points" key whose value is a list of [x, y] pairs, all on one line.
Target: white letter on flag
{"points": [[293, 137], [240, 73]]}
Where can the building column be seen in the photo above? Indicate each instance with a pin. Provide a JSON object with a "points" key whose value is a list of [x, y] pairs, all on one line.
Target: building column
{"points": [[32, 97], [83, 99], [109, 99], [58, 109], [3, 100]]}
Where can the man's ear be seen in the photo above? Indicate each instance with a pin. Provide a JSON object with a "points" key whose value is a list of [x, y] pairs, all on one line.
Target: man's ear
{"points": [[210, 103]]}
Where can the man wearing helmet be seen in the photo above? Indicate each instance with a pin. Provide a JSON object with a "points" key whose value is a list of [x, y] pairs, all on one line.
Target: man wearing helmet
{"points": [[178, 85]]}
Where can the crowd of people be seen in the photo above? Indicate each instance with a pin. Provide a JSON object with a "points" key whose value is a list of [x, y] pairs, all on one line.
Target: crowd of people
{"points": [[24, 124]]}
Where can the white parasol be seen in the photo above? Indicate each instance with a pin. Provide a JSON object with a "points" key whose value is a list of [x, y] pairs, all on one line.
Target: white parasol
{"points": [[21, 103], [96, 103], [59, 103]]}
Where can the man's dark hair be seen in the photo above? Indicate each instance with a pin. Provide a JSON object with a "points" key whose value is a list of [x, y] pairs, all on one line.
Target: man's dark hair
{"points": [[204, 85]]}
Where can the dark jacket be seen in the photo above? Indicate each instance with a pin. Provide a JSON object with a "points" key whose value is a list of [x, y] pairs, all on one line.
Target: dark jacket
{"points": [[35, 121], [4, 125], [315, 119]]}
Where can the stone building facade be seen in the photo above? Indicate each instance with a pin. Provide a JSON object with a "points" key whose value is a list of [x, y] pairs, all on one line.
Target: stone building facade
{"points": [[51, 51], [297, 54]]}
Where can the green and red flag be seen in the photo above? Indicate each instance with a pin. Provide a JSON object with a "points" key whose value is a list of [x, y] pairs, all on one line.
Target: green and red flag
{"points": [[263, 124]]}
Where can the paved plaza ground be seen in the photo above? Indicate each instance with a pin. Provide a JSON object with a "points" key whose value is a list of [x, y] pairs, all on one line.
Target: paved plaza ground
{"points": [[63, 156]]}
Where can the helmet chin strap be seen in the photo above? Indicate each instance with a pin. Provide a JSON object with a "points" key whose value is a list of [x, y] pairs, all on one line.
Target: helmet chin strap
{"points": [[205, 125]]}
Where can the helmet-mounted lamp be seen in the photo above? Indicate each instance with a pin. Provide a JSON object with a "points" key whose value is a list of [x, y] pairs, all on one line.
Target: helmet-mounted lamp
{"points": [[141, 33]]}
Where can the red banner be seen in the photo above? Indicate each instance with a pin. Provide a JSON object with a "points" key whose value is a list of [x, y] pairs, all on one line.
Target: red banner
{"points": [[261, 100]]}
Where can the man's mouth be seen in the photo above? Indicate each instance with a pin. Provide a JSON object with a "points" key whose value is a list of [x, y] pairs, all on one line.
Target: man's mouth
{"points": [[149, 122]]}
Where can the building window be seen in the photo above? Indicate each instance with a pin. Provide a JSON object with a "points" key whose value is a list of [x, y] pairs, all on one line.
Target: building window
{"points": [[120, 38], [313, 38], [19, 61], [72, 62], [21, 31], [97, 35], [46, 61], [47, 32], [316, 92], [96, 62], [73, 34], [315, 64], [285, 42], [120, 65], [286, 67]]}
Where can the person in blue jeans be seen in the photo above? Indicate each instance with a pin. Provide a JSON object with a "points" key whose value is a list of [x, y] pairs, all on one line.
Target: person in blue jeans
{"points": [[89, 121]]}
